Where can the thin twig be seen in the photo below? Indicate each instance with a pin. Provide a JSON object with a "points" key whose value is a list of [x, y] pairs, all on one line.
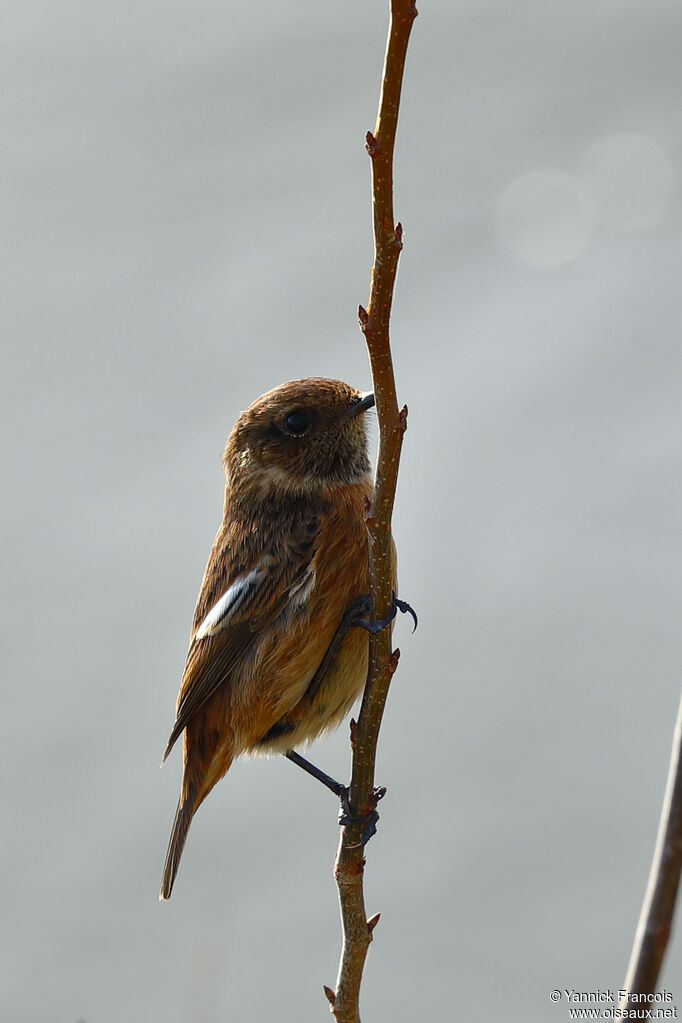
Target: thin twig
{"points": [[658, 908], [374, 323]]}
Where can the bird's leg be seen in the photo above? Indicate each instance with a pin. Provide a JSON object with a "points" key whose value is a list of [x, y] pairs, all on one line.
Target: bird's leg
{"points": [[331, 656], [355, 616], [324, 668], [342, 792], [334, 786]]}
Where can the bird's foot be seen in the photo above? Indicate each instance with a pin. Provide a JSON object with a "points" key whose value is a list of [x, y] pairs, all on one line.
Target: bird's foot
{"points": [[369, 819]]}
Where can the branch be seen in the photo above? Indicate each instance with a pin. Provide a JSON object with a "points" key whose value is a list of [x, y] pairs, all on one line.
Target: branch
{"points": [[658, 908], [374, 323]]}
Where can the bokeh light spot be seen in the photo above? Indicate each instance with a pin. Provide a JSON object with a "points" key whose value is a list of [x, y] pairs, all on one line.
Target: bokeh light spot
{"points": [[545, 218], [631, 180]]}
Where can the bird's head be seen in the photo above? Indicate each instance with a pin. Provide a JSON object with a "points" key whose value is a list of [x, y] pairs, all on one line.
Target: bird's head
{"points": [[301, 436]]}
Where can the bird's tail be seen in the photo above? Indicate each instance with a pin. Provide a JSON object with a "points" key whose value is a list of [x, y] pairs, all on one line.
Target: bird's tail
{"points": [[183, 819]]}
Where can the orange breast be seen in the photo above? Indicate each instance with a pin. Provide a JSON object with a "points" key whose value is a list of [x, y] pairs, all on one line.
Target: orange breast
{"points": [[288, 656], [272, 683]]}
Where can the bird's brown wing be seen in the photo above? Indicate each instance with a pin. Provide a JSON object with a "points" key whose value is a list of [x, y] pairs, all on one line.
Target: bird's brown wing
{"points": [[250, 602]]}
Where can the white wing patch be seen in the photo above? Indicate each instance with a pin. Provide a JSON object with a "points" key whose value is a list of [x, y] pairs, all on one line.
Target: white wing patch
{"points": [[300, 593], [220, 614]]}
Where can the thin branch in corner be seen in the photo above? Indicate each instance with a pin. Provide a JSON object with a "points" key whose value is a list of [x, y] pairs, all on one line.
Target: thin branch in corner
{"points": [[656, 919]]}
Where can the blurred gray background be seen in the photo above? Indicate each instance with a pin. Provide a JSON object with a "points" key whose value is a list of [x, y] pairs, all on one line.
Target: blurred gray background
{"points": [[186, 223]]}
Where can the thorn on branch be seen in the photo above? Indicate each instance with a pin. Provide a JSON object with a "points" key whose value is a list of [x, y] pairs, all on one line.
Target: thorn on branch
{"points": [[372, 922], [392, 662], [345, 871], [363, 317], [372, 145], [402, 418], [331, 996], [367, 512], [399, 236], [353, 731]]}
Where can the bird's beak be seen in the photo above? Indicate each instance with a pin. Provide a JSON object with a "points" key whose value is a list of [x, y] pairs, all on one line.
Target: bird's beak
{"points": [[363, 401]]}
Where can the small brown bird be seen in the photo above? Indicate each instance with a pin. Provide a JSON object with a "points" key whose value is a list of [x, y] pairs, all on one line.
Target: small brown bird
{"points": [[273, 659]]}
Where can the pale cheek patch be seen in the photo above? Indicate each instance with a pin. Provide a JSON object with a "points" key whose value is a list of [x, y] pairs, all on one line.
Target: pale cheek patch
{"points": [[222, 611], [270, 476]]}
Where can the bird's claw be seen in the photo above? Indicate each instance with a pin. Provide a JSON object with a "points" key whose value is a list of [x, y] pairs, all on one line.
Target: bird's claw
{"points": [[360, 608], [406, 608]]}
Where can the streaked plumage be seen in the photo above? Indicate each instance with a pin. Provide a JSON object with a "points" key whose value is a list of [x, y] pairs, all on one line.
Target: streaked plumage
{"points": [[289, 558]]}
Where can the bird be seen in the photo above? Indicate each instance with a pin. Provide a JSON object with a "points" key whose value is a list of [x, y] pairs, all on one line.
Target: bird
{"points": [[274, 658]]}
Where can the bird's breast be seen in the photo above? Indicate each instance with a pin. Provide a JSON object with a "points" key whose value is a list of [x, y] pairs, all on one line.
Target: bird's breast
{"points": [[286, 657]]}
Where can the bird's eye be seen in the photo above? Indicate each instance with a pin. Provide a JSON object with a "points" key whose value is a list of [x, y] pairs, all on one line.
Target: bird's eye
{"points": [[296, 422]]}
